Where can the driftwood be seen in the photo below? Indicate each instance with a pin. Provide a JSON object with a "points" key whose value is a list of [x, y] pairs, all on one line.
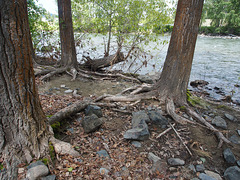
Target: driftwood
{"points": [[96, 64], [68, 111]]}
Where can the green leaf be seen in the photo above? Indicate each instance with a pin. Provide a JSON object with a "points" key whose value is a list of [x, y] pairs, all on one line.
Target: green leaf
{"points": [[70, 169]]}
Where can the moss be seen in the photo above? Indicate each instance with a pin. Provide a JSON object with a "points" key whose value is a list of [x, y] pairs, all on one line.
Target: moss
{"points": [[56, 126], [1, 166], [182, 108], [196, 101], [45, 161], [51, 151]]}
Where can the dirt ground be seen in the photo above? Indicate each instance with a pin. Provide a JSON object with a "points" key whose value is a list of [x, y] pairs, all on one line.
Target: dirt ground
{"points": [[126, 161]]}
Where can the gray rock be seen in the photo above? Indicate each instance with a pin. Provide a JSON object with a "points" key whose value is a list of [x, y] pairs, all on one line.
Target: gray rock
{"points": [[68, 91], [200, 168], [137, 133], [238, 131], [91, 123], [91, 109], [213, 175], [34, 164], [50, 177], [145, 79], [138, 117], [103, 153], [158, 165], [136, 144], [219, 122], [229, 156], [62, 85], [238, 163], [176, 162], [230, 117], [235, 139], [232, 173], [104, 171], [204, 176], [192, 168], [158, 119], [37, 172]]}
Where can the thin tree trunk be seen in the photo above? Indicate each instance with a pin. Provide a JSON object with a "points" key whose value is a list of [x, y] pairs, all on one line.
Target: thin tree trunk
{"points": [[24, 129], [174, 79], [68, 50]]}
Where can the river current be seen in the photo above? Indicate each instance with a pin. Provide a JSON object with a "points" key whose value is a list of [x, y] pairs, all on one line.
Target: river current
{"points": [[216, 60]]}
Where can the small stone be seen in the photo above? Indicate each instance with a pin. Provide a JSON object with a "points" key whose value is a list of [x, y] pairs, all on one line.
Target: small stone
{"points": [[50, 177], [232, 173], [104, 171], [176, 162], [68, 91], [200, 168], [137, 134], [136, 144], [91, 109], [238, 163], [219, 122], [138, 117], [192, 168], [103, 153], [238, 131], [158, 165], [37, 172], [91, 123], [213, 175], [158, 119], [235, 139], [20, 170], [63, 86], [204, 176], [71, 130], [229, 156], [230, 117], [34, 164]]}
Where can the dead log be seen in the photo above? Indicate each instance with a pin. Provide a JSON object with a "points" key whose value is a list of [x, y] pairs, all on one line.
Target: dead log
{"points": [[68, 111], [96, 64]]}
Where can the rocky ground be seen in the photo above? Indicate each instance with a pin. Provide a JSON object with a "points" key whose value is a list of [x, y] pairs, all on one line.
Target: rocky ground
{"points": [[126, 142]]}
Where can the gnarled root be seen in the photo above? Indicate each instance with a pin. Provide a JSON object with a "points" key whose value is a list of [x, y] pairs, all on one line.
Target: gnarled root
{"points": [[220, 136]]}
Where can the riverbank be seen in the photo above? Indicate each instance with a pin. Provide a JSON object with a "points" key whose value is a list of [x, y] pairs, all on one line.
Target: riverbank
{"points": [[105, 153]]}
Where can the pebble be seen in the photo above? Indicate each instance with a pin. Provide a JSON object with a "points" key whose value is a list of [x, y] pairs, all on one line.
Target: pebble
{"points": [[63, 86], [50, 177], [204, 176], [238, 131], [232, 173], [200, 168], [219, 122], [229, 156], [213, 175], [235, 139], [176, 162], [136, 144], [192, 168], [230, 117], [103, 153], [68, 91]]}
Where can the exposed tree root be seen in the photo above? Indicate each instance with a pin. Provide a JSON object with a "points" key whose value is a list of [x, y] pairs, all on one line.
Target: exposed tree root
{"points": [[52, 73], [220, 136]]}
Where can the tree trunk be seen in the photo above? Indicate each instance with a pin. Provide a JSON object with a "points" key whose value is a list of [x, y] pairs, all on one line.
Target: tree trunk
{"points": [[24, 129], [174, 79], [68, 50]]}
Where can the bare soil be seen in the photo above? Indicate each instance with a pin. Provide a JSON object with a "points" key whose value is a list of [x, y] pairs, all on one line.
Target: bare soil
{"points": [[126, 161]]}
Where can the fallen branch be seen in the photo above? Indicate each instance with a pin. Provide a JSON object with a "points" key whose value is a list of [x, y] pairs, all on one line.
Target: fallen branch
{"points": [[165, 132], [181, 139], [52, 73], [68, 111]]}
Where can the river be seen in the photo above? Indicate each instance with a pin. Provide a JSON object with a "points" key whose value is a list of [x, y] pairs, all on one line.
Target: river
{"points": [[216, 60]]}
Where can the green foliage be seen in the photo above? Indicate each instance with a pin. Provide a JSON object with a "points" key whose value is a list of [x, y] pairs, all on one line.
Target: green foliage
{"points": [[42, 25], [196, 101], [45, 161], [224, 15], [56, 126], [51, 151], [1, 166]]}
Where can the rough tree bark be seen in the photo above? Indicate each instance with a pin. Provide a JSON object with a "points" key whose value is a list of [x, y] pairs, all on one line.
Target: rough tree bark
{"points": [[24, 132], [68, 50], [174, 79], [24, 129]]}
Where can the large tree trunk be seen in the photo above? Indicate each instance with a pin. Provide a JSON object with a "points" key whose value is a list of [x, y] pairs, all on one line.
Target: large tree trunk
{"points": [[68, 50], [174, 79], [24, 132]]}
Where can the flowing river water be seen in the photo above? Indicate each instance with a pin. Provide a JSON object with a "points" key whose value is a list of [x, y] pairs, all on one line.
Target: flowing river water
{"points": [[216, 60]]}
